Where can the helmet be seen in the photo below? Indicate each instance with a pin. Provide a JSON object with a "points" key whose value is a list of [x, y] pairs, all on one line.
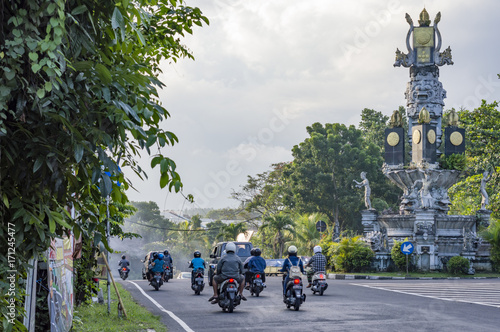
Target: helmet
{"points": [[165, 252], [155, 255], [252, 252], [292, 250], [230, 246], [317, 249], [257, 252], [197, 254], [123, 256], [160, 256]]}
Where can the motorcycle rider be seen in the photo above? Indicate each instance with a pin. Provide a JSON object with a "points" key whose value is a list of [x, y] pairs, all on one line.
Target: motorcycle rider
{"points": [[256, 264], [248, 274], [318, 262], [229, 266], [291, 260], [196, 263], [157, 265], [123, 263], [168, 261]]}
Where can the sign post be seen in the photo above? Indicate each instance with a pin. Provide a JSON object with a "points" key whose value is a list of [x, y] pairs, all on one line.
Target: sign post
{"points": [[320, 226], [407, 248]]}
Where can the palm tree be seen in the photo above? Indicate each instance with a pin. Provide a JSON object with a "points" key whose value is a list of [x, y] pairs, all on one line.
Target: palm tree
{"points": [[230, 232], [281, 225], [306, 234]]}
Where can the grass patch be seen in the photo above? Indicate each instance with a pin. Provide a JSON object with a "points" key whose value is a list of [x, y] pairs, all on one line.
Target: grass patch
{"points": [[94, 317], [425, 274]]}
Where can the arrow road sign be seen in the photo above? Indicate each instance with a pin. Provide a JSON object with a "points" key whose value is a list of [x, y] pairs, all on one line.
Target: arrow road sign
{"points": [[407, 248]]}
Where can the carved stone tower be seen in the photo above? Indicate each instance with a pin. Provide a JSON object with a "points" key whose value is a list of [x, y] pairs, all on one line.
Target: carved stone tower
{"points": [[424, 91]]}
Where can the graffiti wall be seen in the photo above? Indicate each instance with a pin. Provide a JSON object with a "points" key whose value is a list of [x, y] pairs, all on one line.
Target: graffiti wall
{"points": [[60, 258]]}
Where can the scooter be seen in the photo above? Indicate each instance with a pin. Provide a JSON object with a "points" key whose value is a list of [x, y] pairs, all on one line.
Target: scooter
{"points": [[256, 284], [228, 295], [198, 283], [157, 281], [124, 273], [293, 294], [319, 284]]}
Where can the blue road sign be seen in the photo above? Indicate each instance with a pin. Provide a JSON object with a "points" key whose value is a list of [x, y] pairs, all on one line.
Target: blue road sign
{"points": [[407, 248]]}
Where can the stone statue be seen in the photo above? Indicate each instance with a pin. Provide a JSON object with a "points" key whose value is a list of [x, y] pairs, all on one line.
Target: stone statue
{"points": [[445, 57], [365, 183], [485, 200], [396, 119], [428, 202]]}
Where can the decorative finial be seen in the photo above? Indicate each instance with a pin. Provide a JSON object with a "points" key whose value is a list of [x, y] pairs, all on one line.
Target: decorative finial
{"points": [[424, 116], [408, 19], [396, 119], [438, 18], [452, 118], [424, 20]]}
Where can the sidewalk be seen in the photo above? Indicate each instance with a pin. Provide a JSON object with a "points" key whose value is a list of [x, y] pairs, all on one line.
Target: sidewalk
{"points": [[365, 277]]}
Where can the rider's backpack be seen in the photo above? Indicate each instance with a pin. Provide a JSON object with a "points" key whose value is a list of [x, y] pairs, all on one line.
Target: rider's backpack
{"points": [[294, 270]]}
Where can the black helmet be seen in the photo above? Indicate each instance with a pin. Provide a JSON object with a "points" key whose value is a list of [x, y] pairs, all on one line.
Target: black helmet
{"points": [[252, 251], [197, 254], [155, 255], [257, 252], [123, 257], [165, 252]]}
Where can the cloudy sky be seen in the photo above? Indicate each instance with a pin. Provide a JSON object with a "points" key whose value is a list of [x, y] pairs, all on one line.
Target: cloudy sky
{"points": [[266, 69]]}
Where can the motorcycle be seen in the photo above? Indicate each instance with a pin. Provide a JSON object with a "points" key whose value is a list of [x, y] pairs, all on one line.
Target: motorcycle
{"points": [[124, 273], [293, 294], [157, 280], [319, 283], [256, 284], [168, 274], [228, 295], [198, 283]]}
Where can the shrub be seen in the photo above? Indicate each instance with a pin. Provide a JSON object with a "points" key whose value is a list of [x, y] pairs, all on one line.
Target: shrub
{"points": [[453, 161], [399, 258], [492, 235], [458, 265], [351, 254]]}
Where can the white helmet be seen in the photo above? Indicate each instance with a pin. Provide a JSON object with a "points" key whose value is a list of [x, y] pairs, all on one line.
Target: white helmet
{"points": [[292, 250], [317, 249], [230, 246]]}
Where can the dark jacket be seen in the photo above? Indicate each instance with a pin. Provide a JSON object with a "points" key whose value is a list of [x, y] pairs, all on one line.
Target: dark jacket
{"points": [[257, 264], [230, 266]]}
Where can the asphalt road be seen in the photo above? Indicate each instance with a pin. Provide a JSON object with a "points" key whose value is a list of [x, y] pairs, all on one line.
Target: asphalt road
{"points": [[347, 305]]}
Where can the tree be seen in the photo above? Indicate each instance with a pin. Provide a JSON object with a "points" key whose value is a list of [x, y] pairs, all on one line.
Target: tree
{"points": [[265, 194], [278, 227], [372, 126], [306, 235], [324, 167], [79, 98], [482, 130], [148, 214], [230, 232]]}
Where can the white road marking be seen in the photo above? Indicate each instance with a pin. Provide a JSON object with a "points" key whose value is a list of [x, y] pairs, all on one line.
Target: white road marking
{"points": [[170, 313], [481, 294]]}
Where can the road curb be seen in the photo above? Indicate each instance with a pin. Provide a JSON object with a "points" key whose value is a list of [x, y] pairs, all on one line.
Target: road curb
{"points": [[365, 277]]}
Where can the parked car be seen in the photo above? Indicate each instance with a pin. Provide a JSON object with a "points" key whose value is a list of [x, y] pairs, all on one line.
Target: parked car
{"points": [[242, 251], [273, 266]]}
